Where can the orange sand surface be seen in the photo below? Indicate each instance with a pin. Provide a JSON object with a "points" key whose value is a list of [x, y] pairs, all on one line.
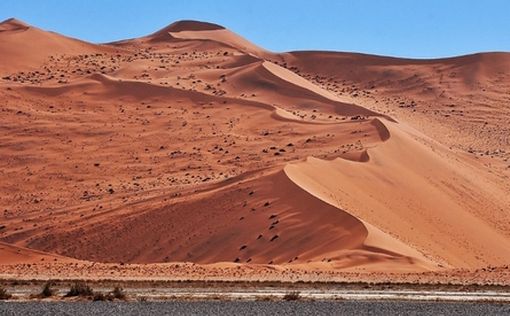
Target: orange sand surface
{"points": [[194, 154]]}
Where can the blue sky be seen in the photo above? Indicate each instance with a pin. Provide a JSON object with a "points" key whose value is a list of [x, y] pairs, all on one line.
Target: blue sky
{"points": [[413, 28]]}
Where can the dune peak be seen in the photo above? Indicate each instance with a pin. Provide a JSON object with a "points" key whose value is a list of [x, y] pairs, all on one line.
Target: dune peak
{"points": [[184, 26], [191, 25], [13, 24]]}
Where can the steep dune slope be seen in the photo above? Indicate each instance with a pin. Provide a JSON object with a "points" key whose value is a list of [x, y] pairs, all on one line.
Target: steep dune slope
{"points": [[275, 85], [421, 194]]}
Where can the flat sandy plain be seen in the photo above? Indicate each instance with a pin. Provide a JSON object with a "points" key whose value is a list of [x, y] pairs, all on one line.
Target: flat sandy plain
{"points": [[193, 154]]}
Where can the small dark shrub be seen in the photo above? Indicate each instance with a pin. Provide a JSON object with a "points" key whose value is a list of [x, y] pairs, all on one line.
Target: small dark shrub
{"points": [[99, 297], [118, 293], [291, 296], [79, 289], [46, 290], [4, 295]]}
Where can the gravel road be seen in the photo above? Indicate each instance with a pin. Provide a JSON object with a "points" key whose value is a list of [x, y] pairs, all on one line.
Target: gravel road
{"points": [[253, 308]]}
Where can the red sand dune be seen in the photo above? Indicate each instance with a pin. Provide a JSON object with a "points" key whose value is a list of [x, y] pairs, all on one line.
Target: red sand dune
{"points": [[194, 145], [24, 47]]}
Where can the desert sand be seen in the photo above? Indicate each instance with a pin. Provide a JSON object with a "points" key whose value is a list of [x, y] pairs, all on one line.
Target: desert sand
{"points": [[192, 153]]}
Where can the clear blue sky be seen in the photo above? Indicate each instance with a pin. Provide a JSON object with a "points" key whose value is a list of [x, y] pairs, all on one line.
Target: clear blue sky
{"points": [[412, 28]]}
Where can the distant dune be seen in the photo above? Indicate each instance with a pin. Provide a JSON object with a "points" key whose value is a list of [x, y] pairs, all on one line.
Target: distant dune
{"points": [[193, 145]]}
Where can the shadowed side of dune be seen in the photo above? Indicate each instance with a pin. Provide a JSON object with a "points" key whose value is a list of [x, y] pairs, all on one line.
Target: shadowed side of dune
{"points": [[264, 220], [273, 84], [383, 131], [190, 25]]}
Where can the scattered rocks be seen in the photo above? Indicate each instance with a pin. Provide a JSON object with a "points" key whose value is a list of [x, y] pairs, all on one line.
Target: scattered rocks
{"points": [[274, 238]]}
